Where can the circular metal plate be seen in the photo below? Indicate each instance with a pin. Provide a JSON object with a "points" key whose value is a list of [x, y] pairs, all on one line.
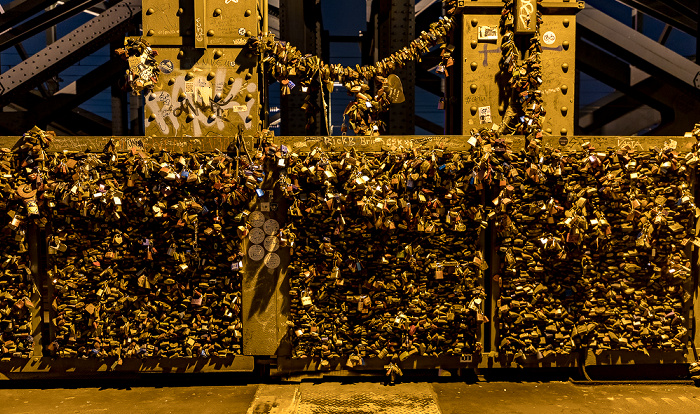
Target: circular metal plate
{"points": [[272, 260], [272, 243], [271, 227], [256, 219], [256, 252], [256, 235]]}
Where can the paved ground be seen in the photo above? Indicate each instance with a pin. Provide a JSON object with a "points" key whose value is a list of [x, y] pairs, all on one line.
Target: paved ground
{"points": [[354, 398]]}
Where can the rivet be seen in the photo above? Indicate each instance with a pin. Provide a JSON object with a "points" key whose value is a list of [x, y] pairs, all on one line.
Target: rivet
{"points": [[473, 87], [474, 22], [566, 22], [180, 11], [474, 44], [548, 130], [565, 44], [564, 110], [564, 131], [182, 96], [247, 13], [248, 118], [189, 75], [217, 12], [564, 89], [565, 67], [474, 65], [231, 80], [210, 33], [151, 118], [171, 81], [218, 54], [180, 54], [150, 32], [248, 96], [473, 109], [189, 117], [150, 11], [211, 75], [501, 108]]}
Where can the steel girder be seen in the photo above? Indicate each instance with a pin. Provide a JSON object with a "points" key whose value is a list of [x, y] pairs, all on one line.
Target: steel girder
{"points": [[54, 108], [639, 50], [18, 10], [677, 104], [682, 15], [43, 21], [68, 50]]}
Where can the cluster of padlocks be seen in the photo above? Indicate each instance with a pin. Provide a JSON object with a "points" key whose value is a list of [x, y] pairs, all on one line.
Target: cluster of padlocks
{"points": [[396, 254]]}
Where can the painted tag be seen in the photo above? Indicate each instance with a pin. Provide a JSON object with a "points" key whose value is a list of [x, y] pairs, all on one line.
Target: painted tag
{"points": [[549, 38]]}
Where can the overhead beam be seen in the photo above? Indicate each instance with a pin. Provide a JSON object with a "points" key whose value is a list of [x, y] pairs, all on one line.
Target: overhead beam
{"points": [[424, 5], [670, 12], [429, 126], [19, 10], [677, 106], [639, 50], [43, 21], [72, 122], [68, 50], [612, 71], [79, 91], [609, 112], [428, 81], [396, 27]]}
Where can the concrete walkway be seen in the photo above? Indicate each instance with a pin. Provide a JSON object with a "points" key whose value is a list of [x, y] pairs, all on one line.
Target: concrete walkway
{"points": [[356, 398]]}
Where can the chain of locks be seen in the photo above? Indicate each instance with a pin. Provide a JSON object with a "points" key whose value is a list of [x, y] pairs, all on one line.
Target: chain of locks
{"points": [[389, 251]]}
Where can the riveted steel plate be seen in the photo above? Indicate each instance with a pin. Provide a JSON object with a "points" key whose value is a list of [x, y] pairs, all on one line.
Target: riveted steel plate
{"points": [[206, 23], [482, 54], [205, 94]]}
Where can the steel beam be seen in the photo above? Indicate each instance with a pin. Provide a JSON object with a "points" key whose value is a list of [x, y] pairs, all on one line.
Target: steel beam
{"points": [[75, 122], [43, 21], [18, 10], [300, 25], [68, 50], [429, 125], [54, 108], [608, 112], [614, 72], [681, 15], [397, 27], [639, 50]]}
